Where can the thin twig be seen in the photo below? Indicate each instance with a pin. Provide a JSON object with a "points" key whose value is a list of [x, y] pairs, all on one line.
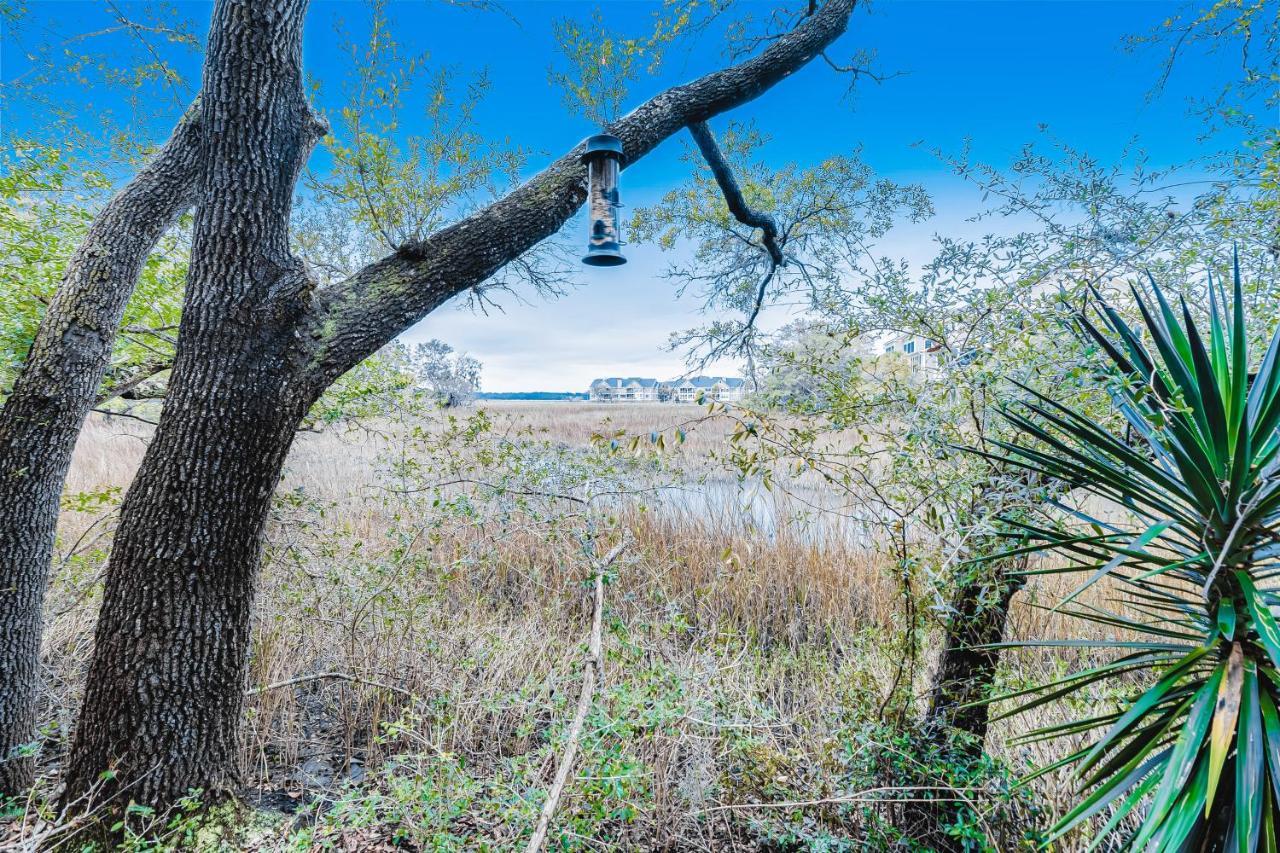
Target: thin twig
{"points": [[867, 796], [593, 674], [114, 414], [334, 676], [495, 486]]}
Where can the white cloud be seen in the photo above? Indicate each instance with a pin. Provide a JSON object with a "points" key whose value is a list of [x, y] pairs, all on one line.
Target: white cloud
{"points": [[616, 323]]}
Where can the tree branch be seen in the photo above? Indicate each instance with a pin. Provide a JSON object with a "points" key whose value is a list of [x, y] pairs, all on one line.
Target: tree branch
{"points": [[349, 321], [327, 676], [128, 415], [728, 184], [127, 383], [742, 212]]}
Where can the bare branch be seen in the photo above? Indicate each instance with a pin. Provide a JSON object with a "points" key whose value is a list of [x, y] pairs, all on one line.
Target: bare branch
{"points": [[327, 676], [132, 380], [858, 70], [590, 678], [130, 415], [728, 184]]}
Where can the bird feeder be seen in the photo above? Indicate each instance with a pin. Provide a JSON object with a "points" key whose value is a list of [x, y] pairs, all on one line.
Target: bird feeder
{"points": [[604, 162]]}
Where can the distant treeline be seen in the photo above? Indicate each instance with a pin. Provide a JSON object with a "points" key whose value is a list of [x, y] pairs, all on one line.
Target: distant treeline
{"points": [[532, 395]]}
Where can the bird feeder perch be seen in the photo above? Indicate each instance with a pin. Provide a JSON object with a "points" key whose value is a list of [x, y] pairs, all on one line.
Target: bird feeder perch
{"points": [[604, 163]]}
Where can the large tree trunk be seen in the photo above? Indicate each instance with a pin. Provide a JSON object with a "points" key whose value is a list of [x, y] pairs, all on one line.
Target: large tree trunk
{"points": [[256, 347], [166, 683], [42, 417]]}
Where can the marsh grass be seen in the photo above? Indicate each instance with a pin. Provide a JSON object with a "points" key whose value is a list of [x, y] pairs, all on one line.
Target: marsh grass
{"points": [[415, 658]]}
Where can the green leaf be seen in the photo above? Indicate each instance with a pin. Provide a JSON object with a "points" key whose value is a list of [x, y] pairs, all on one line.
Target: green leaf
{"points": [[1227, 619], [1183, 757], [1263, 622], [1250, 770], [1144, 538], [1271, 729], [1150, 699]]}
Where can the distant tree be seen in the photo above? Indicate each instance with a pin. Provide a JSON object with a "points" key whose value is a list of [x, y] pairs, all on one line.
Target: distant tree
{"points": [[452, 378]]}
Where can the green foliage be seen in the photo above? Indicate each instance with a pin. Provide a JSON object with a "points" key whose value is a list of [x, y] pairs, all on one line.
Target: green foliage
{"points": [[601, 63], [1195, 476], [439, 801], [866, 786], [381, 383], [47, 203], [55, 178], [397, 186], [1248, 28], [36, 247], [601, 66], [189, 825], [931, 793], [137, 57]]}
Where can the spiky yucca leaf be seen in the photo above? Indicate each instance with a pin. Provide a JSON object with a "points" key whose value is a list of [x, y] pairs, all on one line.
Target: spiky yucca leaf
{"points": [[1196, 755]]}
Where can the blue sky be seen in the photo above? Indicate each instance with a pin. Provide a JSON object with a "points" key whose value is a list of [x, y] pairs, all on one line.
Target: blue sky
{"points": [[987, 73]]}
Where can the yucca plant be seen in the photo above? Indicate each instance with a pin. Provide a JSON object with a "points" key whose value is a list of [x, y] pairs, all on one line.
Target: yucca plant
{"points": [[1191, 753]]}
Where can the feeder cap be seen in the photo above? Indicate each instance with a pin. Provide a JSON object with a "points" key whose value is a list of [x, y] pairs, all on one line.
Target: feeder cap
{"points": [[608, 255], [603, 143]]}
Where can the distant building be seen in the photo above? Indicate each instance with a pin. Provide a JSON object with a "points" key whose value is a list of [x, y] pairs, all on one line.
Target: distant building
{"points": [[640, 389], [624, 389], [723, 389], [924, 355]]}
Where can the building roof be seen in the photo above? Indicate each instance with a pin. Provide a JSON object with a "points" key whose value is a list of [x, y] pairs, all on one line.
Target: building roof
{"points": [[625, 381], [709, 381], [701, 382]]}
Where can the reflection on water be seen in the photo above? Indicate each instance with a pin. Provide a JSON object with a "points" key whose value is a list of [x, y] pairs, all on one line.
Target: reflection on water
{"points": [[799, 512]]}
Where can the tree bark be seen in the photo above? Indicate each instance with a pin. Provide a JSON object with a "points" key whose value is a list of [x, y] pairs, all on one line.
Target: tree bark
{"points": [[256, 347], [964, 675], [966, 670], [42, 417], [166, 682]]}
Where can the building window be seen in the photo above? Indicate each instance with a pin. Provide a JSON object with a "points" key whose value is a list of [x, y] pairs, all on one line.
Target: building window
{"points": [[889, 348], [909, 347]]}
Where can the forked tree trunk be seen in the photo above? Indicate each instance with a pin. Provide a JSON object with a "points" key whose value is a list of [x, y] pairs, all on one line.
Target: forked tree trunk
{"points": [[42, 417], [255, 348], [166, 684]]}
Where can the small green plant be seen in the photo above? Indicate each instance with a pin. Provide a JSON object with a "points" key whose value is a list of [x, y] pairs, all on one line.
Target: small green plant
{"points": [[1192, 756], [937, 793]]}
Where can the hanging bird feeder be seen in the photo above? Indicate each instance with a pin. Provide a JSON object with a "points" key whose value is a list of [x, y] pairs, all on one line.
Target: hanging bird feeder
{"points": [[604, 163]]}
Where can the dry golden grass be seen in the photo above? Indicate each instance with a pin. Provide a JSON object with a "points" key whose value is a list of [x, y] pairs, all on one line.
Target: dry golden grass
{"points": [[472, 634]]}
